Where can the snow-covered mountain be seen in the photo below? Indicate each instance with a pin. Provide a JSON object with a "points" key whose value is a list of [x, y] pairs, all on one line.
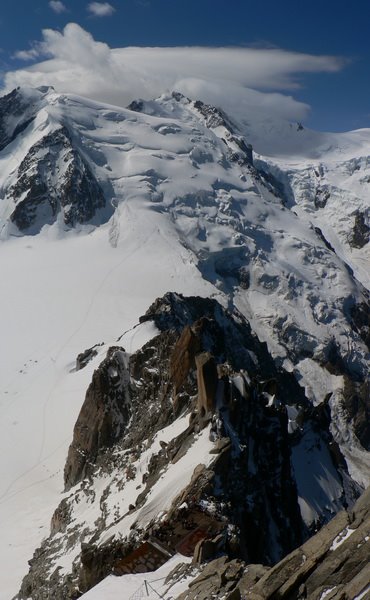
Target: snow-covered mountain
{"points": [[103, 210]]}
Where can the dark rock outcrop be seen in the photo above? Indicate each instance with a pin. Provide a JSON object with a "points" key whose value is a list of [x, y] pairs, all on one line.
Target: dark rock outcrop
{"points": [[360, 234], [208, 364], [255, 478], [356, 402], [86, 356], [360, 320], [103, 418], [15, 115], [54, 177], [322, 196]]}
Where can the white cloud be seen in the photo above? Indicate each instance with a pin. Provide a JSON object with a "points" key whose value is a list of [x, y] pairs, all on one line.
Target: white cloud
{"points": [[26, 55], [247, 81], [101, 9], [57, 6]]}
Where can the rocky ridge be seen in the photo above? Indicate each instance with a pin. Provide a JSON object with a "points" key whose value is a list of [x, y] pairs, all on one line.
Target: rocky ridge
{"points": [[53, 178], [16, 113], [206, 369]]}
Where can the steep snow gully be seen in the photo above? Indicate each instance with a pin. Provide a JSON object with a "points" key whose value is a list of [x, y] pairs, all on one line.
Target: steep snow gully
{"points": [[185, 344]]}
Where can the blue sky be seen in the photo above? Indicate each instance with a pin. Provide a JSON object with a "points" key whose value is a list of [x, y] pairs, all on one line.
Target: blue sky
{"points": [[339, 100]]}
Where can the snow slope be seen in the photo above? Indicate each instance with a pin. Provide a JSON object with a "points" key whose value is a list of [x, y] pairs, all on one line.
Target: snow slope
{"points": [[326, 181], [189, 216], [58, 298]]}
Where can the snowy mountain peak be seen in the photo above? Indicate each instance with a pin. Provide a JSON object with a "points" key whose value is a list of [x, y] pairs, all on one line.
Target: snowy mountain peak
{"points": [[258, 262], [214, 119], [53, 178]]}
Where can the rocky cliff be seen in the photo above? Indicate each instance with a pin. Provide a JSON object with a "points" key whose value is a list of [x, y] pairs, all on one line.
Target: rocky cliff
{"points": [[204, 380], [54, 178]]}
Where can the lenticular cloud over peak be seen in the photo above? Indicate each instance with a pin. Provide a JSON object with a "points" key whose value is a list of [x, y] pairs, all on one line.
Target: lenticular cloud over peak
{"points": [[257, 78]]}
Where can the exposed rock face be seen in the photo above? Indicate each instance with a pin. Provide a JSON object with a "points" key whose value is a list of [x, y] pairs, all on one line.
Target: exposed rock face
{"points": [[97, 562], [322, 196], [256, 478], [86, 356], [207, 382], [356, 401], [360, 315], [15, 116], [240, 151], [220, 574], [361, 231], [205, 364], [54, 177], [228, 339], [333, 564], [103, 417], [183, 357]]}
